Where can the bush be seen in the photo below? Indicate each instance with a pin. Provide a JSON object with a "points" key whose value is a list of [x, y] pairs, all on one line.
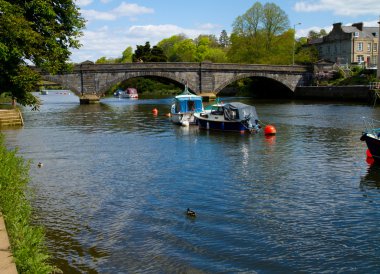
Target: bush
{"points": [[27, 241]]}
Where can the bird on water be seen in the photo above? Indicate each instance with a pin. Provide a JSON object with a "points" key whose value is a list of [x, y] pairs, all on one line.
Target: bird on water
{"points": [[40, 164], [190, 213]]}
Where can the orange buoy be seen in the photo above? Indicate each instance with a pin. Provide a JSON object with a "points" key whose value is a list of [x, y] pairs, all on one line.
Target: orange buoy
{"points": [[369, 155], [155, 111], [269, 130]]}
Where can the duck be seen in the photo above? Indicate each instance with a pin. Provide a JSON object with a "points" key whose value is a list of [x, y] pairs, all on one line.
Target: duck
{"points": [[190, 213], [40, 164]]}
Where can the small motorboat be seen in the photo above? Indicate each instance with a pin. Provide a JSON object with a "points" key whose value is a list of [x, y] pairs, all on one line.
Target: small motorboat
{"points": [[184, 106], [371, 136], [234, 116], [118, 92], [129, 93]]}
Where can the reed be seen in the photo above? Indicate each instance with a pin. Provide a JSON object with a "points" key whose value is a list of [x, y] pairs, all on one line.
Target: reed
{"points": [[27, 240]]}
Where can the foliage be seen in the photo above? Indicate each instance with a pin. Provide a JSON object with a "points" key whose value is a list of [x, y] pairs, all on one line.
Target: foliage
{"points": [[40, 32], [27, 241], [147, 54], [224, 40], [167, 46], [125, 58], [314, 34], [305, 54], [261, 35]]}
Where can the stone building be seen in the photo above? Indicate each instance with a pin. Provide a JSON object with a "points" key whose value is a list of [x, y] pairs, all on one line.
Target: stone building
{"points": [[347, 45]]}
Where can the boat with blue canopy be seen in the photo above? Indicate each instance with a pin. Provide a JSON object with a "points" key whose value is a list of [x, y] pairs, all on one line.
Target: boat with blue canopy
{"points": [[184, 106]]}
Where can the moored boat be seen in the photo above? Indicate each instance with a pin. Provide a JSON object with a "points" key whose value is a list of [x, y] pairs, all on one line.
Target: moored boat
{"points": [[234, 116], [184, 106], [129, 93], [371, 136]]}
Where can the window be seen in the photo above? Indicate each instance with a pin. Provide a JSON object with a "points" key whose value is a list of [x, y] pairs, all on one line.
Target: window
{"points": [[356, 34], [374, 46], [360, 46], [360, 59], [369, 47]]}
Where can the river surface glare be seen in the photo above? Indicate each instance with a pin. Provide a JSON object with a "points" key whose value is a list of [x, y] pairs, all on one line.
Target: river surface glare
{"points": [[116, 182]]}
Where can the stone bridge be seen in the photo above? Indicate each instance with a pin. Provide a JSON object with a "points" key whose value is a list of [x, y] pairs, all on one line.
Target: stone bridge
{"points": [[94, 79]]}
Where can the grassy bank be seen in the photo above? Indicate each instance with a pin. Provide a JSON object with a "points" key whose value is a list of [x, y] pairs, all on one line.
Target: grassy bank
{"points": [[27, 240]]}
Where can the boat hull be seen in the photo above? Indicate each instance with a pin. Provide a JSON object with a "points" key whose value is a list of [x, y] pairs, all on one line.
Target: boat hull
{"points": [[373, 145], [181, 118], [222, 125]]}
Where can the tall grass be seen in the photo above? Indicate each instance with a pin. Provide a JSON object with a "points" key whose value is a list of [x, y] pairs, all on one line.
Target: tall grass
{"points": [[27, 240]]}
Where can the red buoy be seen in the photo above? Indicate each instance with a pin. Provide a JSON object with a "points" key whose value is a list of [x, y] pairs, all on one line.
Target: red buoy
{"points": [[155, 111], [369, 155], [269, 130]]}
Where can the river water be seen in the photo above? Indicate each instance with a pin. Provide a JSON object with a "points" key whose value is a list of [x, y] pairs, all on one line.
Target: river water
{"points": [[116, 183]]}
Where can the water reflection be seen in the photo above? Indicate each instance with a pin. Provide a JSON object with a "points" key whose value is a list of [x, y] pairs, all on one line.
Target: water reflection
{"points": [[371, 180]]}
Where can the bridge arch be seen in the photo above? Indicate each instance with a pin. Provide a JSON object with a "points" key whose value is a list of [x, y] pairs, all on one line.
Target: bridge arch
{"points": [[120, 78], [289, 85], [64, 82]]}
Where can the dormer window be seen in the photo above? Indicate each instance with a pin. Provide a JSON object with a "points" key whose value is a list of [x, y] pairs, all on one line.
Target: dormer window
{"points": [[356, 34], [375, 34]]}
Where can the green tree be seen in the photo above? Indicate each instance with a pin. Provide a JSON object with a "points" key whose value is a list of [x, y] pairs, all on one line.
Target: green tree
{"points": [[314, 34], [249, 23], [126, 56], [167, 45], [261, 35], [224, 40], [39, 32], [186, 50], [147, 54], [275, 22], [157, 55]]}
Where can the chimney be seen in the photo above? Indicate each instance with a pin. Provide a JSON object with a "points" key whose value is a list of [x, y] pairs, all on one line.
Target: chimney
{"points": [[337, 26], [359, 26]]}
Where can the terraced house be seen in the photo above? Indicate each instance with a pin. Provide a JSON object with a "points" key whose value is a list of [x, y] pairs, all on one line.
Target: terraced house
{"points": [[346, 45]]}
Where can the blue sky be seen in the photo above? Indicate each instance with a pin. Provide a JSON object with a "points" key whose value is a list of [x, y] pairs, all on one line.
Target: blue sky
{"points": [[113, 25]]}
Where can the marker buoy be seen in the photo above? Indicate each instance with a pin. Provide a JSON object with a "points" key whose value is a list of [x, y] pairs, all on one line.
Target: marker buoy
{"points": [[155, 111], [269, 130], [369, 155]]}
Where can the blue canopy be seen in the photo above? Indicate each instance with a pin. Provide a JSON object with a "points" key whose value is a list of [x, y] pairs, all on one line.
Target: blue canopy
{"points": [[191, 103]]}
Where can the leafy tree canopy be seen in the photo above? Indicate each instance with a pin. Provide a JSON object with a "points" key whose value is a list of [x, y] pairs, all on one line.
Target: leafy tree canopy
{"points": [[147, 54], [39, 32]]}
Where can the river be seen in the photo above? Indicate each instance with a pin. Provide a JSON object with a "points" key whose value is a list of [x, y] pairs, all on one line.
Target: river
{"points": [[116, 182]]}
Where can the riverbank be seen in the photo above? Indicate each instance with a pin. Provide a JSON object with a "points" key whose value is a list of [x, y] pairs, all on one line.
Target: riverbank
{"points": [[26, 240]]}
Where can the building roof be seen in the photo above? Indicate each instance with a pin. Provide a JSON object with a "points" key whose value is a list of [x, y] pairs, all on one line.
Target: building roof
{"points": [[363, 32]]}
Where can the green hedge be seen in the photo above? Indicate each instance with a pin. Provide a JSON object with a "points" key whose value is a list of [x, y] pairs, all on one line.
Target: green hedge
{"points": [[27, 240]]}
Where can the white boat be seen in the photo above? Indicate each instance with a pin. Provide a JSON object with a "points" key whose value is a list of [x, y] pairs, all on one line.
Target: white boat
{"points": [[234, 116], [129, 93], [184, 106]]}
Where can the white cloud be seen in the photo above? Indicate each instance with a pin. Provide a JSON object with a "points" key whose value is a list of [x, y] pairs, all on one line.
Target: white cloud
{"points": [[83, 3], [98, 15], [340, 7], [109, 42], [125, 9]]}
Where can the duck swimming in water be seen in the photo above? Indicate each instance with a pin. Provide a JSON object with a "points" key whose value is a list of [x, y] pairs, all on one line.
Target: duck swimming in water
{"points": [[190, 213], [40, 164]]}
